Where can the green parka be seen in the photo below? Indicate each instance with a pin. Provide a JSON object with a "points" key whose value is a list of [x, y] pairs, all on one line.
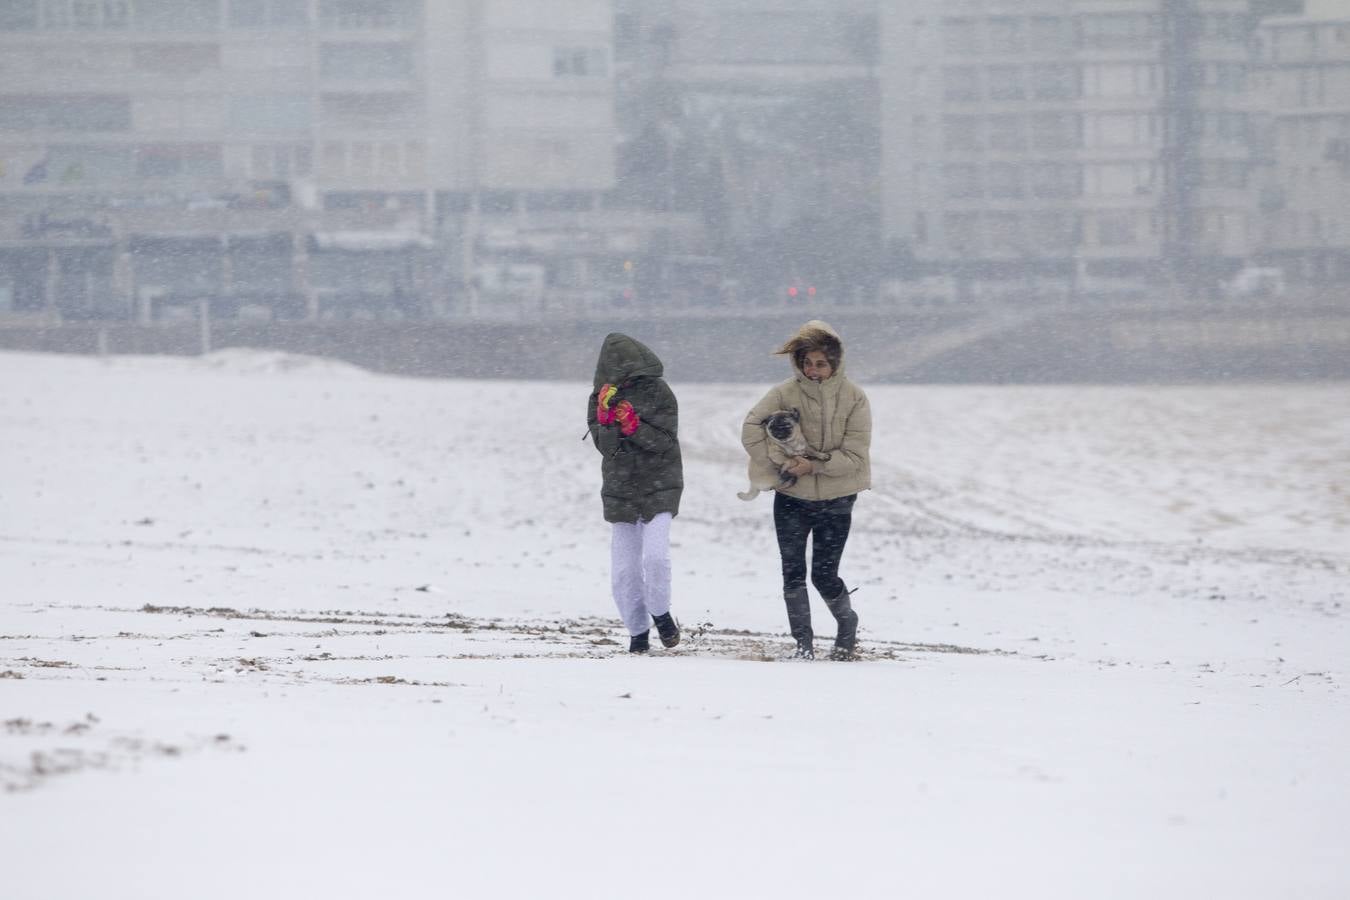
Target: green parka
{"points": [[642, 474]]}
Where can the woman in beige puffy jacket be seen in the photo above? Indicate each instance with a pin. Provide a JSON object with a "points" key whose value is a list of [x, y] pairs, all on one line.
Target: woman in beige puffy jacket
{"points": [[836, 420]]}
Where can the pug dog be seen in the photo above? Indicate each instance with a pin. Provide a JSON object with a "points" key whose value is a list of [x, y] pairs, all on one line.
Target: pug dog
{"points": [[784, 430]]}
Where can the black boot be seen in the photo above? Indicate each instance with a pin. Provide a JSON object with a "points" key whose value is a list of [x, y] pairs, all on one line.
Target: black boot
{"points": [[638, 643], [846, 639], [668, 629], [799, 622]]}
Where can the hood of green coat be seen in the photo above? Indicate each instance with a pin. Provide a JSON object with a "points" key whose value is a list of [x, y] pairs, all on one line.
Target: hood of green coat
{"points": [[623, 358]]}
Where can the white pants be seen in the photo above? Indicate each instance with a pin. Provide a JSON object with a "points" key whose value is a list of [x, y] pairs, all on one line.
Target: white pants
{"points": [[640, 571]]}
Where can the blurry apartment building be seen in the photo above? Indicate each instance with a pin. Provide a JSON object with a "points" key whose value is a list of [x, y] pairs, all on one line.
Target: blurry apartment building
{"points": [[759, 118], [1069, 145], [291, 156], [1303, 73]]}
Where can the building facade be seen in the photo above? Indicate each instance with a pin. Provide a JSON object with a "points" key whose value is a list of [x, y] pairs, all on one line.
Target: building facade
{"points": [[1071, 145], [759, 116], [286, 153], [1303, 71]]}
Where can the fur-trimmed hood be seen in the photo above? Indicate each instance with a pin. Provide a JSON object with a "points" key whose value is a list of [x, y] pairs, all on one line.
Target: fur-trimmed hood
{"points": [[815, 335]]}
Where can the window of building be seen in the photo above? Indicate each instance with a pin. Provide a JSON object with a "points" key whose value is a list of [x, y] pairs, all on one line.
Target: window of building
{"points": [[248, 13], [960, 83], [919, 132], [1007, 133], [962, 231], [72, 112], [288, 13], [178, 15], [268, 14], [627, 36], [1006, 181], [270, 112], [1056, 131], [1004, 231], [1230, 78], [370, 110], [923, 180], [361, 61], [18, 15], [1007, 35], [1054, 81], [362, 158], [580, 62], [1311, 87], [961, 133], [1115, 228], [157, 113], [175, 59], [1050, 34], [364, 15], [1120, 80], [1007, 83], [1055, 180], [56, 15], [962, 181], [23, 113], [415, 158], [179, 160], [1224, 173], [961, 36], [1119, 130], [1118, 31], [116, 13], [1053, 230], [1229, 128], [1122, 179], [86, 14], [333, 160], [73, 164], [271, 161], [1229, 28]]}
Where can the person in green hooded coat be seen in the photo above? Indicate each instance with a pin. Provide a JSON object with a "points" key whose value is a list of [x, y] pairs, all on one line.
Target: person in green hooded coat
{"points": [[634, 424]]}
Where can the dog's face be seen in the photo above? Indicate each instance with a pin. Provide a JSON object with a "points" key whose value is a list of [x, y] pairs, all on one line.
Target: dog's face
{"points": [[782, 424]]}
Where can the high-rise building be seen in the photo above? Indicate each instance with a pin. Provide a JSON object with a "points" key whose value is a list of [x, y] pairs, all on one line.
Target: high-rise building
{"points": [[760, 116], [1074, 143], [1303, 66], [219, 147]]}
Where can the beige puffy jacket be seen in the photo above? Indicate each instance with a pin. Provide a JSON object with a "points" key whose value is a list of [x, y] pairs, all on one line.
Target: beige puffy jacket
{"points": [[835, 419]]}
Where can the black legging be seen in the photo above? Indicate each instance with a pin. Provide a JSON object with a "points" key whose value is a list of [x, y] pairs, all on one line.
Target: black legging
{"points": [[828, 521]]}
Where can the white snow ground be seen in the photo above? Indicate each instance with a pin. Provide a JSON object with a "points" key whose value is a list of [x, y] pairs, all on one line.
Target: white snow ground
{"points": [[275, 627]]}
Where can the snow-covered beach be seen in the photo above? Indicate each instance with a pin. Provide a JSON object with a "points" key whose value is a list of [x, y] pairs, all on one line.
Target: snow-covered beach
{"points": [[277, 627]]}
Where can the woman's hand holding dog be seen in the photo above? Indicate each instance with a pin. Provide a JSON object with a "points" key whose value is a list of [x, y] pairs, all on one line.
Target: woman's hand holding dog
{"points": [[799, 466]]}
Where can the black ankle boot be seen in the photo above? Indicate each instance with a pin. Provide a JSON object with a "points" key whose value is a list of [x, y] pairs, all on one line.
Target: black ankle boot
{"points": [[846, 639], [668, 629], [638, 643], [799, 622]]}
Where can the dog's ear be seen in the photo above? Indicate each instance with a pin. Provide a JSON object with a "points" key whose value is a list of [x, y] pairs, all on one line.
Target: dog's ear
{"points": [[766, 420], [796, 414]]}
